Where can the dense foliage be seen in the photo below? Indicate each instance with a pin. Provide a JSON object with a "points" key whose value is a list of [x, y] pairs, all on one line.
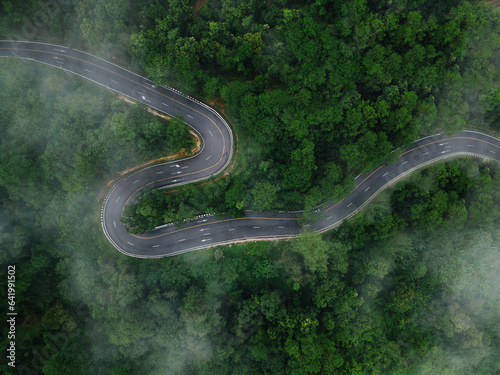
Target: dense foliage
{"points": [[406, 288], [325, 91], [317, 91]]}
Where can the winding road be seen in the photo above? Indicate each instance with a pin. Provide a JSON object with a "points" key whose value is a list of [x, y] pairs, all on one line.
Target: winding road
{"points": [[207, 231]]}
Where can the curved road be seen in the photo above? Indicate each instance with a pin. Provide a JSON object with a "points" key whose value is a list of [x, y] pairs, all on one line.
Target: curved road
{"points": [[217, 137]]}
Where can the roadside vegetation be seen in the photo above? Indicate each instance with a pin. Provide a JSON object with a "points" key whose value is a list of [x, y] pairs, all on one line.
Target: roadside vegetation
{"points": [[320, 92], [317, 92]]}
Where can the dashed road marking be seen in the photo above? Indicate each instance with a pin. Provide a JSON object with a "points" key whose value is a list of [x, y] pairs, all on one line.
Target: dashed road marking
{"points": [[470, 145], [114, 223], [206, 234], [118, 199], [256, 227], [209, 156], [189, 116], [210, 133], [160, 172], [136, 181], [349, 205], [130, 243], [187, 166], [182, 240], [231, 229], [114, 81], [87, 70], [405, 162], [165, 104], [156, 245], [426, 153], [329, 217], [368, 188], [493, 151], [385, 174]]}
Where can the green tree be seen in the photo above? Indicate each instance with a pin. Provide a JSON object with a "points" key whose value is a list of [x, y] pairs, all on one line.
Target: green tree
{"points": [[314, 250]]}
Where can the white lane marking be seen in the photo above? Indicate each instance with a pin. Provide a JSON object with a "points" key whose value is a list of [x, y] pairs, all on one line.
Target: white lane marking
{"points": [[175, 165], [187, 166], [329, 217], [156, 245], [182, 240], [160, 172], [210, 133], [231, 229], [140, 93], [493, 151], [385, 174], [426, 153], [189, 116], [442, 144], [208, 239], [256, 227], [176, 172], [58, 58], [114, 81], [357, 176], [208, 157], [405, 162], [368, 188], [165, 104], [180, 179], [201, 230], [448, 147], [87, 70], [470, 145], [444, 152], [202, 221], [144, 98], [118, 199], [130, 243], [114, 223], [135, 182], [281, 227], [206, 234], [349, 205], [429, 136], [60, 50], [470, 131]]}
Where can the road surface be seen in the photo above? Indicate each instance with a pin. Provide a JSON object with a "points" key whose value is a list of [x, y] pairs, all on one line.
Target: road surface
{"points": [[207, 231]]}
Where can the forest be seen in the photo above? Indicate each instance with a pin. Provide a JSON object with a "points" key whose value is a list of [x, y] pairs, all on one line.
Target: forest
{"points": [[316, 92]]}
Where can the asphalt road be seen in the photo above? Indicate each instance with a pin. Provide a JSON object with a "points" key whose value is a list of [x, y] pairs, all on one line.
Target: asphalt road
{"points": [[217, 149]]}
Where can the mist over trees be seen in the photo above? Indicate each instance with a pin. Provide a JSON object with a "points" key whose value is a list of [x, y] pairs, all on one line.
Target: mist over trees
{"points": [[317, 91], [323, 92]]}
